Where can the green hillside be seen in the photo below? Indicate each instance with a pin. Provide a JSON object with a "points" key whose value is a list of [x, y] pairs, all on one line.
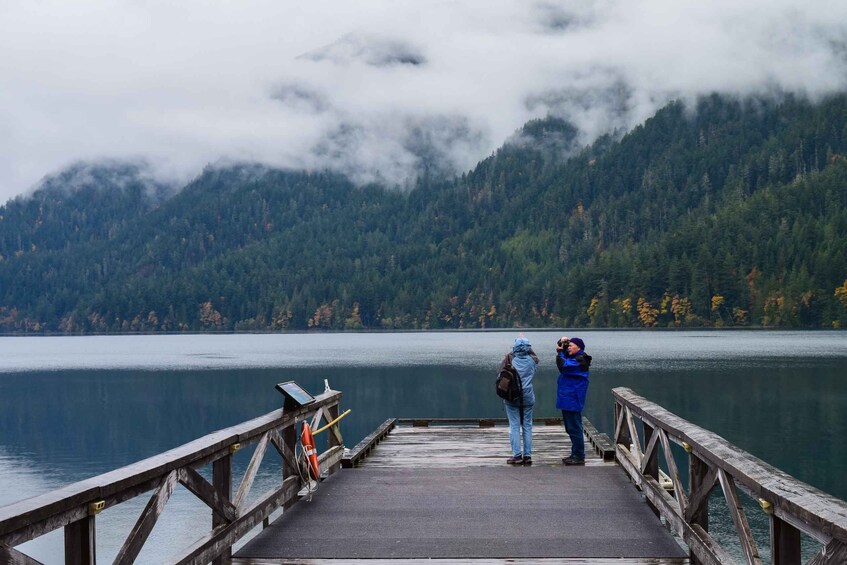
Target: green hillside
{"points": [[733, 213]]}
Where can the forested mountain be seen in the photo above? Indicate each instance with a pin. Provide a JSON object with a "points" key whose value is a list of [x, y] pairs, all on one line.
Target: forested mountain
{"points": [[730, 213]]}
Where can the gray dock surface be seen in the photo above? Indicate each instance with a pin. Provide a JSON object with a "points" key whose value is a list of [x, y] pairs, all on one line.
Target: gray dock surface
{"points": [[446, 493]]}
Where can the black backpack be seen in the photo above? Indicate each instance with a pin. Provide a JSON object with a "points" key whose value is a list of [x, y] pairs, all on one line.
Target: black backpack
{"points": [[509, 386]]}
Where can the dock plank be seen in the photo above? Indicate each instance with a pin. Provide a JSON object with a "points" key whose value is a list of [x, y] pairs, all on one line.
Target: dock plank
{"points": [[467, 446]]}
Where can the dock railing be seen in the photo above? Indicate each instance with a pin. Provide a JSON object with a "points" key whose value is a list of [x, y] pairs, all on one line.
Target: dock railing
{"points": [[75, 506], [792, 505]]}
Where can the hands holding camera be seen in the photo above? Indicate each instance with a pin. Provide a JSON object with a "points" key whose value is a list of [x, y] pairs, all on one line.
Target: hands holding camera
{"points": [[563, 343]]}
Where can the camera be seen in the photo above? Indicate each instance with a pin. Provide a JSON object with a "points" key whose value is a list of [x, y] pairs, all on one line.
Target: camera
{"points": [[563, 343]]}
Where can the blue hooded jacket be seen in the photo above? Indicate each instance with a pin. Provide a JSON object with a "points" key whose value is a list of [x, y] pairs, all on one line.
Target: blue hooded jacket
{"points": [[525, 363], [573, 380]]}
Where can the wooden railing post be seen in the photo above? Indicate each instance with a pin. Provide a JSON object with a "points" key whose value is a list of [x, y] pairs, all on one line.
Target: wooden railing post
{"points": [[651, 463], [289, 440], [335, 438], [785, 542], [80, 547], [622, 435], [222, 481], [651, 459], [698, 470]]}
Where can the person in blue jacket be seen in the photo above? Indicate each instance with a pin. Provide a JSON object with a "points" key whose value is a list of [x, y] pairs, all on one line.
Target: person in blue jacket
{"points": [[573, 364], [525, 362]]}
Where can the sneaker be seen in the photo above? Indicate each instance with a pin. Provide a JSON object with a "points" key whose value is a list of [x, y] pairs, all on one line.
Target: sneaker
{"points": [[572, 461], [515, 460], [527, 460]]}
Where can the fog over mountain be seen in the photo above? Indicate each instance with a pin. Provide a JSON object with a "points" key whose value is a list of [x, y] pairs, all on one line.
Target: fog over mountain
{"points": [[379, 90]]}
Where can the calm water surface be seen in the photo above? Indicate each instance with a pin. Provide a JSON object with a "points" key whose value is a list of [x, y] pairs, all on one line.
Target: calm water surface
{"points": [[73, 407]]}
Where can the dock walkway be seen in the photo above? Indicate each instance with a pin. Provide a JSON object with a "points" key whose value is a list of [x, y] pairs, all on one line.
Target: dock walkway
{"points": [[440, 491], [446, 492]]}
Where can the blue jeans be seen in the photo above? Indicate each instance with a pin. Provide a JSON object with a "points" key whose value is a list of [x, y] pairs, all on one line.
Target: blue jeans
{"points": [[573, 425], [515, 433]]}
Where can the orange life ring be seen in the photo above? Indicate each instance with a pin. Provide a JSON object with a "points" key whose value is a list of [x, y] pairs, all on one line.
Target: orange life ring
{"points": [[309, 450]]}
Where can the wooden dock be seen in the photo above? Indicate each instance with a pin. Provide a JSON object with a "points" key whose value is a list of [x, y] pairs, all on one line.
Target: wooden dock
{"points": [[440, 491], [445, 492]]}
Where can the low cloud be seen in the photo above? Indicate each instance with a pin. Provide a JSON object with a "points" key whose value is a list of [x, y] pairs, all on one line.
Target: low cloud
{"points": [[381, 90], [374, 50]]}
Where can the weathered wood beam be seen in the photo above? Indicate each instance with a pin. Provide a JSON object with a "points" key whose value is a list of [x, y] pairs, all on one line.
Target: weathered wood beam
{"points": [[41, 512], [32, 531], [698, 540], [816, 513], [287, 454], [213, 544], [331, 413], [700, 543], [622, 435], [739, 518], [28, 519], [785, 543], [202, 489], [361, 449], [330, 460], [222, 481], [700, 496], [833, 553], [602, 444], [633, 433], [316, 419], [335, 436], [252, 469], [289, 442], [80, 542], [678, 490], [141, 531], [11, 556], [650, 462], [704, 546]]}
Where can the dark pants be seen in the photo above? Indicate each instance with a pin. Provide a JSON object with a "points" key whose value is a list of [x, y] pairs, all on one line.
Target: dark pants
{"points": [[573, 425]]}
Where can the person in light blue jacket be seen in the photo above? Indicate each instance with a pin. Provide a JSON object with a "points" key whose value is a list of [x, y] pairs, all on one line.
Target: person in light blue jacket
{"points": [[573, 364], [525, 363]]}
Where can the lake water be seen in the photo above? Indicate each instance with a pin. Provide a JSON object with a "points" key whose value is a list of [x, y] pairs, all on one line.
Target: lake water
{"points": [[74, 407]]}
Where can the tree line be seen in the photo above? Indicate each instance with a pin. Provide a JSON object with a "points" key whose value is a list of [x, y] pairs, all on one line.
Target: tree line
{"points": [[732, 213]]}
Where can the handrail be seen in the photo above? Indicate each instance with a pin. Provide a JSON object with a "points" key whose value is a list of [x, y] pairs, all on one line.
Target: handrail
{"points": [[75, 506], [793, 506]]}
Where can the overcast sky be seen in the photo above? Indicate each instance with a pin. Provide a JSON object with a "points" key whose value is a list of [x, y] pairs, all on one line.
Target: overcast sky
{"points": [[367, 86]]}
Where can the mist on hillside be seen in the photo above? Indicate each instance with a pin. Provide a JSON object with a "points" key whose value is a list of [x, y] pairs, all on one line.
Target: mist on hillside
{"points": [[381, 91]]}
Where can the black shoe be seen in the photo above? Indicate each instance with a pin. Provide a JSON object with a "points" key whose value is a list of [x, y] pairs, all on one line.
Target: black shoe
{"points": [[572, 461], [527, 460], [515, 460]]}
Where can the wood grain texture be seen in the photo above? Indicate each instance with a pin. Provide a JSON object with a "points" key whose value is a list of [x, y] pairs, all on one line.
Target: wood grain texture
{"points": [[794, 504], [467, 446]]}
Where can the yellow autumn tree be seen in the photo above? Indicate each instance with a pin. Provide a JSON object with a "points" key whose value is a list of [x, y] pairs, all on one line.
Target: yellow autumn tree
{"points": [[353, 321], [647, 314], [841, 293], [622, 311], [596, 310], [681, 309], [322, 318], [209, 317]]}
